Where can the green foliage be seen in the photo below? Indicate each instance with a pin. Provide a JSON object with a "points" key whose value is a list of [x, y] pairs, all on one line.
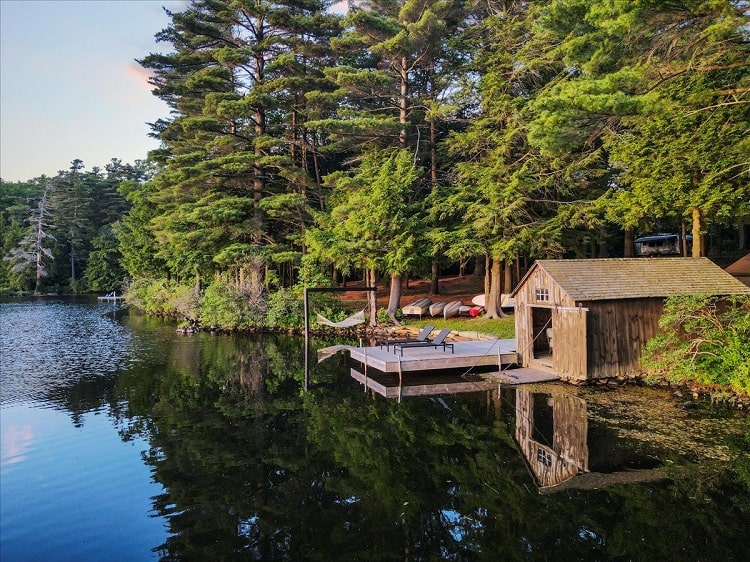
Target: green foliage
{"points": [[703, 339], [373, 221], [154, 296], [224, 308], [286, 309], [104, 272], [384, 318]]}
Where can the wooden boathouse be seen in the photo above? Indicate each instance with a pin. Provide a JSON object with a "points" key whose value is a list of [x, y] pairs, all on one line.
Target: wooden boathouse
{"points": [[586, 319]]}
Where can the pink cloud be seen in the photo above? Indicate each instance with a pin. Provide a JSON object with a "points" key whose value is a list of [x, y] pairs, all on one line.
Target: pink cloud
{"points": [[140, 74]]}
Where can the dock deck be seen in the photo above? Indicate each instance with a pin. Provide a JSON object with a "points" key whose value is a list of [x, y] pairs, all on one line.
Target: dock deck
{"points": [[428, 371], [467, 354]]}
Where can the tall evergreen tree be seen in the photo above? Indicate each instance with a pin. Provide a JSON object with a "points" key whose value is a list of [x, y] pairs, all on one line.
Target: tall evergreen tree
{"points": [[390, 55], [234, 138], [74, 221], [506, 192], [655, 86], [373, 221]]}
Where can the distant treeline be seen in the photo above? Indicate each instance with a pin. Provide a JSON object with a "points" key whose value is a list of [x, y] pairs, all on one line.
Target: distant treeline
{"points": [[58, 233]]}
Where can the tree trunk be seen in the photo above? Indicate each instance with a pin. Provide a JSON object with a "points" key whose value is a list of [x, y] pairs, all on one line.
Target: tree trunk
{"points": [[508, 276], [518, 268], [371, 278], [403, 103], [487, 273], [492, 297], [394, 298], [629, 237], [435, 278], [697, 234], [683, 240]]}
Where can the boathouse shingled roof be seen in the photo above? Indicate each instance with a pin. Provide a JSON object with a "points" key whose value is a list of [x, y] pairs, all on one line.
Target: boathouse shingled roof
{"points": [[630, 278]]}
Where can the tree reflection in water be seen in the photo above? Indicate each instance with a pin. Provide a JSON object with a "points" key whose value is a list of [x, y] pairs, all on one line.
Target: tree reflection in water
{"points": [[253, 467]]}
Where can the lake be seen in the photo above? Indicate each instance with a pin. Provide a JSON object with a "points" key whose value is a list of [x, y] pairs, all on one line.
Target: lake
{"points": [[122, 440]]}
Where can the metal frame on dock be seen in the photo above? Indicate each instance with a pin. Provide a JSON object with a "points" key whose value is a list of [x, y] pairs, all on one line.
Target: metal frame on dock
{"points": [[307, 315]]}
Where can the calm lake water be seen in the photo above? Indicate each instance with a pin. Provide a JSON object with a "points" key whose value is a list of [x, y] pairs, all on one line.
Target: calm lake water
{"points": [[122, 440]]}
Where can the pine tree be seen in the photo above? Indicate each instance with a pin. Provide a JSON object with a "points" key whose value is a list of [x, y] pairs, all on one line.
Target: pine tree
{"points": [[236, 83], [34, 248]]}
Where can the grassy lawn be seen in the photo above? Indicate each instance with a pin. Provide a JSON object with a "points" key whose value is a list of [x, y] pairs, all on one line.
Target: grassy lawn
{"points": [[503, 328]]}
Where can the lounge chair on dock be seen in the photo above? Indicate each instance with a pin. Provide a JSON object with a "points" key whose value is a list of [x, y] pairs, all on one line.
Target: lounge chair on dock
{"points": [[439, 341], [422, 337]]}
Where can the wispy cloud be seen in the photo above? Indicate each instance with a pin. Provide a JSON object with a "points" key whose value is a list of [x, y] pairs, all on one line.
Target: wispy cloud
{"points": [[141, 75]]}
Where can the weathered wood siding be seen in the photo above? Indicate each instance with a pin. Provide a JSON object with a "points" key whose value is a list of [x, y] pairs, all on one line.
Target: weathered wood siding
{"points": [[569, 337], [617, 334], [524, 299]]}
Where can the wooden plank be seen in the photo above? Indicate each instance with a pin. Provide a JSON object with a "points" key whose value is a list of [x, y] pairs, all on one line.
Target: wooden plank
{"points": [[523, 375], [569, 342], [618, 332]]}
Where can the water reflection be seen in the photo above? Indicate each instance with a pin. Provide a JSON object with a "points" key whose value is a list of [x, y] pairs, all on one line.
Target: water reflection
{"points": [[552, 434], [246, 464]]}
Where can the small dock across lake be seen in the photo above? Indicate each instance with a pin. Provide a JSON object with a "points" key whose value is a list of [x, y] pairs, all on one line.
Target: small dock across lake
{"points": [[110, 297]]}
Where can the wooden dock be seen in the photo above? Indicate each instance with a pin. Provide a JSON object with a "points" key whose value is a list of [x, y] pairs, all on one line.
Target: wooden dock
{"points": [[428, 371], [467, 354]]}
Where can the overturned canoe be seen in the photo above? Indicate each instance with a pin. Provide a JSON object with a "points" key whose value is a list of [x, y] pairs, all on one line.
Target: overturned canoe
{"points": [[437, 308], [506, 301], [451, 309], [417, 308]]}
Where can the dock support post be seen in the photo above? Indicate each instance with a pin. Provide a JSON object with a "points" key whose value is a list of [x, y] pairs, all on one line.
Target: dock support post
{"points": [[364, 350], [400, 379]]}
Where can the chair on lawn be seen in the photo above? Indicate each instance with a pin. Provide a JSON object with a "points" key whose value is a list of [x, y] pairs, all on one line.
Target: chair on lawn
{"points": [[439, 341], [422, 337]]}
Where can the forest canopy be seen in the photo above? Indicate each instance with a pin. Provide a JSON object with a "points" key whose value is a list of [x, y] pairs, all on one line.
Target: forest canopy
{"points": [[401, 139]]}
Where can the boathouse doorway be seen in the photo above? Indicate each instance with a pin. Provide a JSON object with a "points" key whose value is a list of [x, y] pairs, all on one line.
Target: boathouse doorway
{"points": [[542, 344]]}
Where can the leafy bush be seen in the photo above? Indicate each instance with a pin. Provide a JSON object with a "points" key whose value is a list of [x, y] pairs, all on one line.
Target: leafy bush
{"points": [[186, 302], [224, 308], [286, 309], [702, 339], [151, 296]]}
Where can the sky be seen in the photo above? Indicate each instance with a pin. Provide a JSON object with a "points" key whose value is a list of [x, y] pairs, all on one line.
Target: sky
{"points": [[69, 84]]}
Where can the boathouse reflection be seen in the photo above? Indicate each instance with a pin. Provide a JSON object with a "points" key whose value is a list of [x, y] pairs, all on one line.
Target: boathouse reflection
{"points": [[551, 432]]}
